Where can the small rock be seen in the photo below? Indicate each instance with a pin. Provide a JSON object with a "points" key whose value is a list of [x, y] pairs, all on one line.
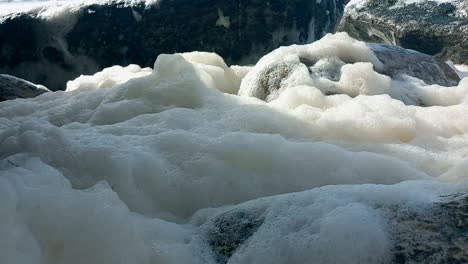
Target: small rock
{"points": [[229, 230], [12, 87]]}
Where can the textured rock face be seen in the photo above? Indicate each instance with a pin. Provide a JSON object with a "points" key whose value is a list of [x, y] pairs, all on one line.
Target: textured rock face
{"points": [[269, 79], [84, 39], [435, 28], [12, 87], [436, 236], [397, 60]]}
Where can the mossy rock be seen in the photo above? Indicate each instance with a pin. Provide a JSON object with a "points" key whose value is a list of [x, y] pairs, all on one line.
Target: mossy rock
{"points": [[381, 3]]}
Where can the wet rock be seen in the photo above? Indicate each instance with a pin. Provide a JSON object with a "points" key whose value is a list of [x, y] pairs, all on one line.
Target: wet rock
{"points": [[268, 80], [435, 236], [438, 28], [12, 88], [229, 230], [397, 60]]}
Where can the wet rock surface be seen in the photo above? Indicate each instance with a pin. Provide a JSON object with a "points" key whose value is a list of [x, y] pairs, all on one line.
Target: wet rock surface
{"points": [[228, 231], [435, 236], [397, 60], [434, 28], [270, 79], [12, 88]]}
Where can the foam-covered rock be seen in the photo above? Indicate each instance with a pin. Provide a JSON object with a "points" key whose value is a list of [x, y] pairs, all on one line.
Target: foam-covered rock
{"points": [[438, 28], [55, 44], [12, 87], [306, 227], [294, 65], [329, 65]]}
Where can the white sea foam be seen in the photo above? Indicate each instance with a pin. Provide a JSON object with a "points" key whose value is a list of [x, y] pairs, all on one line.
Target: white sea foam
{"points": [[132, 165]]}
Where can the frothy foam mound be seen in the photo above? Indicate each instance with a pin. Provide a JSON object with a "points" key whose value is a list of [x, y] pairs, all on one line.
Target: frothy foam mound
{"points": [[136, 165]]}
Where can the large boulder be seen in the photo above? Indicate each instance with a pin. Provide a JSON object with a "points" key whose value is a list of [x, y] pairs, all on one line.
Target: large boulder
{"points": [[339, 64], [437, 28], [55, 44], [12, 88]]}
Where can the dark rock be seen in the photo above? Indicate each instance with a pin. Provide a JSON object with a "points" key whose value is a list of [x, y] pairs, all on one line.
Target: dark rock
{"points": [[12, 87], [397, 60], [435, 236], [101, 35], [434, 28], [229, 230]]}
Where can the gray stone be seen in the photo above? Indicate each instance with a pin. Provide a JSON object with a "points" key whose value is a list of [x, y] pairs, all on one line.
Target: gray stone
{"points": [[51, 51], [397, 60], [434, 28], [12, 88], [435, 236]]}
